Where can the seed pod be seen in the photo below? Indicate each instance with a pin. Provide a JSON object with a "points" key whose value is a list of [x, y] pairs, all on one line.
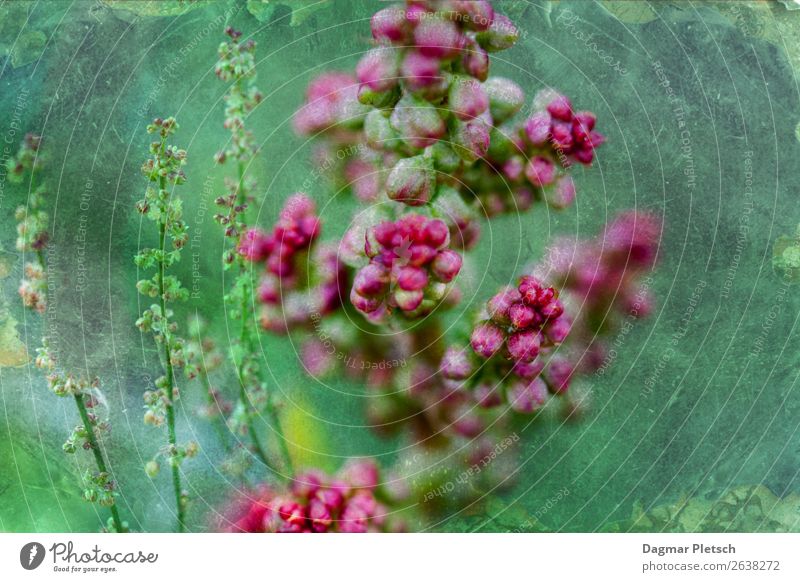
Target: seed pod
{"points": [[379, 68], [418, 122], [470, 139], [446, 265], [486, 340], [506, 98], [502, 34], [438, 38], [390, 24], [467, 98], [411, 181]]}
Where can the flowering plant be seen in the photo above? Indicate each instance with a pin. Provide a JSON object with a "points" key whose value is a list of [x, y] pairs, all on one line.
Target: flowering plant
{"points": [[432, 146]]}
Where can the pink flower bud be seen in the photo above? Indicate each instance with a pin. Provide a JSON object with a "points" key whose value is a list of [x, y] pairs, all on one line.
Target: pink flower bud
{"points": [[446, 265], [456, 364], [291, 512], [378, 69], [364, 304], [389, 24], [436, 234], [561, 135], [268, 290], [633, 239], [467, 99], [320, 516], [538, 128], [559, 375], [418, 122], [533, 292], [332, 496], [353, 520], [528, 397], [420, 72], [560, 107], [475, 60], [385, 234], [412, 278], [558, 330], [540, 171], [411, 181], [371, 281], [514, 168], [420, 254], [474, 14], [254, 245], [561, 194], [486, 340], [502, 34], [582, 125], [584, 155], [438, 38], [408, 300], [498, 306], [365, 501], [527, 370], [361, 473], [470, 140], [417, 11], [552, 310], [521, 316], [524, 345], [506, 98]]}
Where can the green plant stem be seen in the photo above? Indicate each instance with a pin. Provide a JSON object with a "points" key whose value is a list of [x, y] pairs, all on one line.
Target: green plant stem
{"points": [[173, 442], [98, 454], [246, 343], [89, 428]]}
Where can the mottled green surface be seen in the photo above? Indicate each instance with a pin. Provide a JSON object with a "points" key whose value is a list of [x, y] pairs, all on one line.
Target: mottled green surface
{"points": [[721, 348]]}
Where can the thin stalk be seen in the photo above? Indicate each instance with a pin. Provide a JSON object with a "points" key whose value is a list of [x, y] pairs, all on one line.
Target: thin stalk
{"points": [[98, 454], [87, 425], [246, 341], [173, 441]]}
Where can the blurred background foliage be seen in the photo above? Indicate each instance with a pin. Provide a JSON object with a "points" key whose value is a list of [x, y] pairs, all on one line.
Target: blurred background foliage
{"points": [[719, 427]]}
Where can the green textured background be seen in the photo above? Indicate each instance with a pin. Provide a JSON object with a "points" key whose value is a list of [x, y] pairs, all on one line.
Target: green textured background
{"points": [[724, 412]]}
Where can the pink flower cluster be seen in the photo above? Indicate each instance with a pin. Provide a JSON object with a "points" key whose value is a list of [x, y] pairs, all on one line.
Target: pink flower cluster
{"points": [[351, 502], [518, 324], [430, 40], [331, 104], [604, 274], [521, 320], [527, 160], [298, 226], [426, 81], [301, 279], [410, 267]]}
